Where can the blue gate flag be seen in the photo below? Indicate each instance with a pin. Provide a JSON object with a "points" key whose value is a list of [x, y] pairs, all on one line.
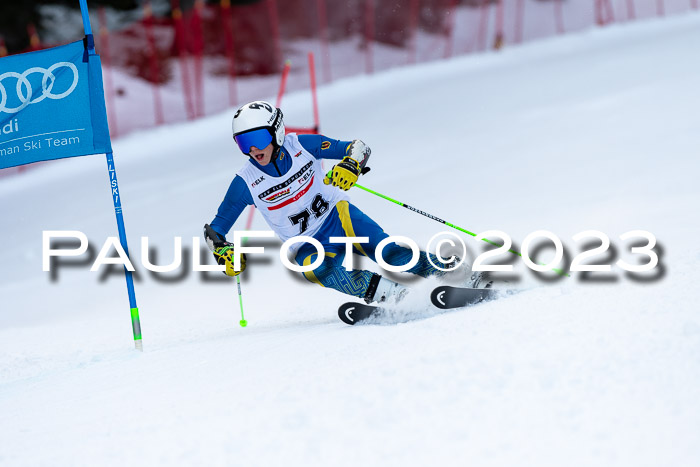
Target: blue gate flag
{"points": [[52, 106]]}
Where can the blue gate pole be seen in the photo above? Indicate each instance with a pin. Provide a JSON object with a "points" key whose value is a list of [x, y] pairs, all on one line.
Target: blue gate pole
{"points": [[86, 17], [135, 321]]}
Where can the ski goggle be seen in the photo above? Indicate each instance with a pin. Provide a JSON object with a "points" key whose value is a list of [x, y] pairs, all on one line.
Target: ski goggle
{"points": [[259, 138]]}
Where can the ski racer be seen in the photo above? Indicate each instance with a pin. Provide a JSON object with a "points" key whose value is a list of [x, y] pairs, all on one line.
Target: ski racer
{"points": [[284, 179]]}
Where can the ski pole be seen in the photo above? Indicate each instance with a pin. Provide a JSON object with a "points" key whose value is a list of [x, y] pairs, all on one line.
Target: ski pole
{"points": [[437, 219], [242, 322]]}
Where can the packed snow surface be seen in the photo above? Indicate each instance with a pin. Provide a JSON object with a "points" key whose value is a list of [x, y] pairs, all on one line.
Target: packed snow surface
{"points": [[597, 130]]}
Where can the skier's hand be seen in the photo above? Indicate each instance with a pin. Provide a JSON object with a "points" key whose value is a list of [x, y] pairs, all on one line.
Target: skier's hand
{"points": [[222, 250], [224, 255], [344, 174]]}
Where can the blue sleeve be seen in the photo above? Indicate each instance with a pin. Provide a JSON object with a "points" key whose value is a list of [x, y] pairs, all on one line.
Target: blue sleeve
{"points": [[323, 147], [237, 198]]}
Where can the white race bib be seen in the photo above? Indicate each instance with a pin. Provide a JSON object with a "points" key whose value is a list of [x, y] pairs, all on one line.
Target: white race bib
{"points": [[298, 202]]}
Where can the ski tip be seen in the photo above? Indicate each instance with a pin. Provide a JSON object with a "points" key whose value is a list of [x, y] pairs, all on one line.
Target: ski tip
{"points": [[352, 312], [437, 297], [346, 313]]}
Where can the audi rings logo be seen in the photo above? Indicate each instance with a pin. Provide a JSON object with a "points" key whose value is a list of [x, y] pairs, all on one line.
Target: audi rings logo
{"points": [[24, 87]]}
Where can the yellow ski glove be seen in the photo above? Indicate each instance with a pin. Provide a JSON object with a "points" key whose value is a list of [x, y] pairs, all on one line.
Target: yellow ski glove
{"points": [[344, 174], [222, 250], [224, 255]]}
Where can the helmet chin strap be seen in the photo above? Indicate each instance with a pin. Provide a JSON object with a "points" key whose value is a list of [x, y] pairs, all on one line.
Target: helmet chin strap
{"points": [[275, 153]]}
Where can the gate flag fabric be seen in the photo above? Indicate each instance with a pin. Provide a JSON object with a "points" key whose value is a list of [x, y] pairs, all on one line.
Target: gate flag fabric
{"points": [[52, 106]]}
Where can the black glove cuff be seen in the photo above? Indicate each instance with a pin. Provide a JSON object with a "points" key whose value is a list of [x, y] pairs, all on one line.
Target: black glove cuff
{"points": [[353, 166]]}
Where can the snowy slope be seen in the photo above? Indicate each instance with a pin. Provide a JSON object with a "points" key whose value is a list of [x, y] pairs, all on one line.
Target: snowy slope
{"points": [[591, 131]]}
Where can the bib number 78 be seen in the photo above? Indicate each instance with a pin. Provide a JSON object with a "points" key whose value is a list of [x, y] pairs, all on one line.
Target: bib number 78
{"points": [[318, 207]]}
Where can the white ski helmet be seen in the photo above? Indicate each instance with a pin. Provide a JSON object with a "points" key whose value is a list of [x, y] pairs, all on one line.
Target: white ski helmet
{"points": [[258, 124]]}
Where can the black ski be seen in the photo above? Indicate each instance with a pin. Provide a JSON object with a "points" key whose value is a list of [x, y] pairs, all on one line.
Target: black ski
{"points": [[353, 312], [446, 297], [443, 297]]}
